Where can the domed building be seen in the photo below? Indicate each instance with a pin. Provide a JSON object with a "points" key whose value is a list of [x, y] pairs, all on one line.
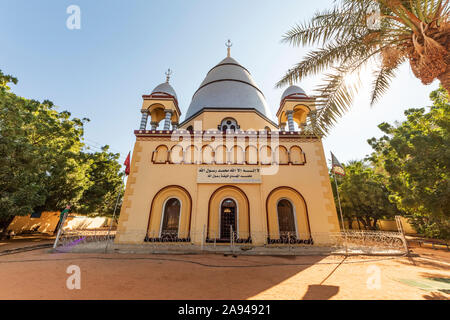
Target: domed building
{"points": [[227, 172]]}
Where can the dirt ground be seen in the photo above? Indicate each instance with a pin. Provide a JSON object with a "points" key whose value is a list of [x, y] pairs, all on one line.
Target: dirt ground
{"points": [[41, 274]]}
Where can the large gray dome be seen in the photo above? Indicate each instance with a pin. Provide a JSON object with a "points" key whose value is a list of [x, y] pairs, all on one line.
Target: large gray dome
{"points": [[228, 85]]}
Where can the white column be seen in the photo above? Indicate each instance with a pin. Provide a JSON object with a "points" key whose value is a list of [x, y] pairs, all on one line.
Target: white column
{"points": [[144, 120], [283, 126], [290, 117], [174, 125], [167, 119]]}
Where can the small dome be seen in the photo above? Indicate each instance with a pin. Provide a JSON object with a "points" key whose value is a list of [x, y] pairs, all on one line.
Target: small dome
{"points": [[165, 88], [294, 92]]}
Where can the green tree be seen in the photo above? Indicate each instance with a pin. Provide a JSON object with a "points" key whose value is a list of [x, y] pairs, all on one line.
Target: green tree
{"points": [[59, 140], [359, 33], [106, 186], [42, 162], [21, 179], [364, 195], [416, 156]]}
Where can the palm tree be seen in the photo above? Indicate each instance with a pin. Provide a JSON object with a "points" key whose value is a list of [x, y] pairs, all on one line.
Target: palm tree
{"points": [[356, 34]]}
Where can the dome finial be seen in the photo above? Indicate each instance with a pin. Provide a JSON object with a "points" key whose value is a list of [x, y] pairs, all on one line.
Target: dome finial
{"points": [[228, 44], [168, 73]]}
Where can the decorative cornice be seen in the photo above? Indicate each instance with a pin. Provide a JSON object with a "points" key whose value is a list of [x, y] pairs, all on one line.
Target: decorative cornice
{"points": [[285, 135]]}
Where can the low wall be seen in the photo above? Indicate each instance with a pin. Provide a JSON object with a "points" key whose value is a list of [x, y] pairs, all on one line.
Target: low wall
{"points": [[48, 221], [387, 225]]}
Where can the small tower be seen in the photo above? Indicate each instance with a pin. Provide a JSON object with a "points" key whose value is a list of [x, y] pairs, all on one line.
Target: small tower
{"points": [[295, 105], [161, 104]]}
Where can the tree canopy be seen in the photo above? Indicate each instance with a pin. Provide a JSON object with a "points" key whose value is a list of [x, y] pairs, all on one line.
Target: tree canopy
{"points": [[43, 163], [415, 156], [364, 195]]}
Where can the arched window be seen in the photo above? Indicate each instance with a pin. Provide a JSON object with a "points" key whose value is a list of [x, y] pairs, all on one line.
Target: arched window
{"points": [[228, 124], [190, 129], [286, 218], [171, 218], [228, 211]]}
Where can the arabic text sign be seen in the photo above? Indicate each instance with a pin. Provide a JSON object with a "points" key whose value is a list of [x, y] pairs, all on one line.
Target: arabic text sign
{"points": [[228, 174]]}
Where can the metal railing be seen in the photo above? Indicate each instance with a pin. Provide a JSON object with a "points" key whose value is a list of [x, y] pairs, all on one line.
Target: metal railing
{"points": [[349, 242]]}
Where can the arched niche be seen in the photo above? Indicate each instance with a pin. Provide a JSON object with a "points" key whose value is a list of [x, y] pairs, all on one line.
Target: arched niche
{"points": [[296, 155], [157, 211], [300, 212], [191, 155], [161, 154], [281, 155], [265, 155], [237, 155], [176, 154], [221, 154], [207, 154], [251, 155]]}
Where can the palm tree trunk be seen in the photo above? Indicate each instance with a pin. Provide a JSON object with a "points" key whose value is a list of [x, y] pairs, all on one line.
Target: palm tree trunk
{"points": [[444, 78]]}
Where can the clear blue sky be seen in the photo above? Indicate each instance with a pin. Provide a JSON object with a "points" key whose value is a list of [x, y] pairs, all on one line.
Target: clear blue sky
{"points": [[124, 47]]}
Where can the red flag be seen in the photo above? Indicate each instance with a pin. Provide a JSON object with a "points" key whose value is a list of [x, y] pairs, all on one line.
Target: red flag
{"points": [[127, 164]]}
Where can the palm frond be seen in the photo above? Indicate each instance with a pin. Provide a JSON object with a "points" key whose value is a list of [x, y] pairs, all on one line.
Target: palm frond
{"points": [[337, 23], [334, 98], [316, 61], [383, 77]]}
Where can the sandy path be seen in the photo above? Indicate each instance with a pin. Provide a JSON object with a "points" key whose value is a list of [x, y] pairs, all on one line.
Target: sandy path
{"points": [[42, 275]]}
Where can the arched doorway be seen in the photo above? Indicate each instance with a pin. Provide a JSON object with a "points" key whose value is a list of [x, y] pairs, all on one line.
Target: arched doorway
{"points": [[225, 204], [286, 219], [171, 218], [228, 212]]}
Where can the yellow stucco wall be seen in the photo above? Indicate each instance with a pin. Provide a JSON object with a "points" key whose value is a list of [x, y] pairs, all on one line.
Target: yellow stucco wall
{"points": [[45, 224], [147, 179]]}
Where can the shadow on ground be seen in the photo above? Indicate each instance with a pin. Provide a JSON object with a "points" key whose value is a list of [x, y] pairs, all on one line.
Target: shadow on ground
{"points": [[320, 292]]}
